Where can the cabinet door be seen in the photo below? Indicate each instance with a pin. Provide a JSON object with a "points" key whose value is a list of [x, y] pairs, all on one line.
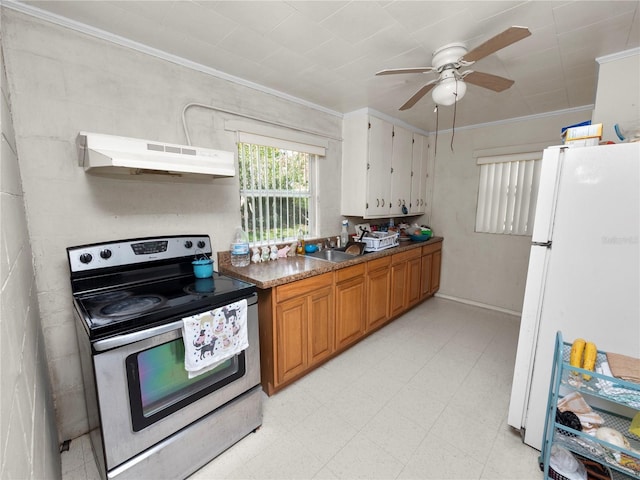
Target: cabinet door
{"points": [[291, 328], [321, 325], [435, 271], [379, 167], [425, 281], [378, 282], [350, 311], [401, 159], [398, 272], [419, 173], [414, 267]]}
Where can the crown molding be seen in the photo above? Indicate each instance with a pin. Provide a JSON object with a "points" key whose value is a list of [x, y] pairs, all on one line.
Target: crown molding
{"points": [[618, 55], [535, 116]]}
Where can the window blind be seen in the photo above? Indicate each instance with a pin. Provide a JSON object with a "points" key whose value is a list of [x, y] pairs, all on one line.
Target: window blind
{"points": [[507, 193]]}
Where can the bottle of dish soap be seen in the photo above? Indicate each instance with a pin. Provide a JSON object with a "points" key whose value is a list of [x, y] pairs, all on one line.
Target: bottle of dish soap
{"points": [[300, 247], [344, 234]]}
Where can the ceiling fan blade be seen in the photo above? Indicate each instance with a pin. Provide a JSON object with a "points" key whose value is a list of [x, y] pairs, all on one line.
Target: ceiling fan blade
{"points": [[504, 39], [486, 80], [393, 71], [419, 94]]}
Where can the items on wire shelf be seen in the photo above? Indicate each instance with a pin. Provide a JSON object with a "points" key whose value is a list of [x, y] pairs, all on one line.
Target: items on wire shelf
{"points": [[592, 425]]}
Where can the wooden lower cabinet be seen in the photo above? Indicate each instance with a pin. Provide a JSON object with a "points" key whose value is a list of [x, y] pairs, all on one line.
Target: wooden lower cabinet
{"points": [[425, 279], [378, 297], [291, 327], [398, 276], [350, 304], [303, 323], [406, 270], [414, 269], [430, 276], [435, 271], [296, 329], [321, 325]]}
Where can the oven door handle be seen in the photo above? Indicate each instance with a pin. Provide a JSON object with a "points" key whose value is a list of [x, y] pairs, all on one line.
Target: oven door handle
{"points": [[129, 338]]}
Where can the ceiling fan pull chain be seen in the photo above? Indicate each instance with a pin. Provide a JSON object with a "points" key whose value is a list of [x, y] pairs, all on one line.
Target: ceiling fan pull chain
{"points": [[455, 107], [435, 146]]}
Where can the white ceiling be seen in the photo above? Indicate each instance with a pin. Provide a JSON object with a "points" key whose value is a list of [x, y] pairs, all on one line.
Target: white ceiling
{"points": [[327, 52]]}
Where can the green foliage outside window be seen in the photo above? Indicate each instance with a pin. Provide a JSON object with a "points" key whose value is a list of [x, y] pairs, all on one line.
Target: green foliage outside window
{"points": [[274, 192]]}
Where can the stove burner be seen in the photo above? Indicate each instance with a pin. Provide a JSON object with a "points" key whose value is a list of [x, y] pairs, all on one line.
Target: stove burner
{"points": [[131, 306], [202, 287]]}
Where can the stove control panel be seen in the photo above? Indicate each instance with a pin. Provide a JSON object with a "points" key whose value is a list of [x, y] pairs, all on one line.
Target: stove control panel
{"points": [[128, 252]]}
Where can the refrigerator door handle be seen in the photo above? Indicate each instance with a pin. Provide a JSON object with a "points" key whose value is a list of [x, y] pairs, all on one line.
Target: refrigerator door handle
{"points": [[542, 244]]}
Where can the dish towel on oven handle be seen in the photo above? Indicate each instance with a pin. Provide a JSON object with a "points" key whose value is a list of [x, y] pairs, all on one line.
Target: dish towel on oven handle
{"points": [[212, 337]]}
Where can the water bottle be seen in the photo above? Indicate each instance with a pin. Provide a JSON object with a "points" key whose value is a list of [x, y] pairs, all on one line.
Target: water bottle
{"points": [[240, 256], [344, 235]]}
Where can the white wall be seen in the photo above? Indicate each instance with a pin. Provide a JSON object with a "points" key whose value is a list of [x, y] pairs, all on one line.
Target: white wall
{"points": [[483, 268], [29, 445], [618, 95], [63, 82]]}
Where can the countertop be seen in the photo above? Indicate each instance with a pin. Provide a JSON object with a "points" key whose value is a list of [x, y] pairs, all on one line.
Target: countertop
{"points": [[285, 270]]}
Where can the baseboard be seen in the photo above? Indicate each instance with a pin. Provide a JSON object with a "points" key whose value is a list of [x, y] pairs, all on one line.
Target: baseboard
{"points": [[478, 304]]}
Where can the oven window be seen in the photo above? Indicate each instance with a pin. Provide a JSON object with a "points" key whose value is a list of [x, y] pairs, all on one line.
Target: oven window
{"points": [[159, 385]]}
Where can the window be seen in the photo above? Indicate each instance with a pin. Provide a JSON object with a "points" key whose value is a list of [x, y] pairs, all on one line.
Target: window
{"points": [[276, 189], [507, 193]]}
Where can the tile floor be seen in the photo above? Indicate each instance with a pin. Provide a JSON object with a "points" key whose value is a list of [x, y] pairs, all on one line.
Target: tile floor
{"points": [[426, 397]]}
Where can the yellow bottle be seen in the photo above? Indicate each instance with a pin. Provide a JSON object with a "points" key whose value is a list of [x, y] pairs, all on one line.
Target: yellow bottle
{"points": [[300, 247]]}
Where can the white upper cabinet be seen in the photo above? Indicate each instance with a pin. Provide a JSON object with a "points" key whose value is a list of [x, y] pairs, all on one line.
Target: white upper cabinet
{"points": [[401, 158], [382, 168], [378, 170], [419, 174]]}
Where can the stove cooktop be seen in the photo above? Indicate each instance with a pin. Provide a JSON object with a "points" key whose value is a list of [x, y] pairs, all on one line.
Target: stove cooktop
{"points": [[129, 308]]}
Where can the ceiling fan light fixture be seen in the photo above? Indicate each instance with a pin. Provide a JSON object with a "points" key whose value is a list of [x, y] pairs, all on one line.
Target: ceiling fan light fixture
{"points": [[448, 91]]}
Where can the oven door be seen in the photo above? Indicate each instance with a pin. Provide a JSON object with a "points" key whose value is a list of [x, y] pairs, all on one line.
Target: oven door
{"points": [[145, 394]]}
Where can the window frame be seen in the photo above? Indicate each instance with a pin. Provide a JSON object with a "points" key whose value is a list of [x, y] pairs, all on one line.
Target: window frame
{"points": [[314, 153]]}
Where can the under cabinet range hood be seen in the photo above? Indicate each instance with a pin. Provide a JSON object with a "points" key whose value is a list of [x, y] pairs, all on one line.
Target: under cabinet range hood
{"points": [[132, 156]]}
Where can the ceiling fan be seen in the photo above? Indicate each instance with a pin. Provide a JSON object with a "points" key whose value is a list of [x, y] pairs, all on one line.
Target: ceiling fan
{"points": [[447, 62]]}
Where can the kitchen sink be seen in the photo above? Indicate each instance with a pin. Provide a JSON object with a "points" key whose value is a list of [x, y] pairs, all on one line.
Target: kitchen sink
{"points": [[334, 256]]}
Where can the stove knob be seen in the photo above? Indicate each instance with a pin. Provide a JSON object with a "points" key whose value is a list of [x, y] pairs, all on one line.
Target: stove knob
{"points": [[106, 254], [188, 244], [201, 244], [86, 258]]}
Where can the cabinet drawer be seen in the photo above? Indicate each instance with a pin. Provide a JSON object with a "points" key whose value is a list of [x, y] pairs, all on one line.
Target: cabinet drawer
{"points": [[383, 262], [434, 247], [406, 255], [350, 272], [301, 287]]}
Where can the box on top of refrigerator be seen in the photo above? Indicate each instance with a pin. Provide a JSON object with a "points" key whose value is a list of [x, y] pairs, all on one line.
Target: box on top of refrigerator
{"points": [[585, 135]]}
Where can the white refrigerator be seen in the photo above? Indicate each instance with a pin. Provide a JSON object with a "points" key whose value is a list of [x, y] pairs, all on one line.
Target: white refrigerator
{"points": [[584, 269]]}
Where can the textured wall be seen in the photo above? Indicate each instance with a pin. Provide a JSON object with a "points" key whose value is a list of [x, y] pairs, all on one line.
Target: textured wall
{"points": [[29, 447], [482, 267], [63, 82]]}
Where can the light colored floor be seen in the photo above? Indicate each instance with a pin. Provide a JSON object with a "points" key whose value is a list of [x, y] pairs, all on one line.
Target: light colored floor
{"points": [[426, 397]]}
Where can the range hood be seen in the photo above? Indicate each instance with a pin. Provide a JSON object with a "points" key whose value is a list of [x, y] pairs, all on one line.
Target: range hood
{"points": [[133, 156]]}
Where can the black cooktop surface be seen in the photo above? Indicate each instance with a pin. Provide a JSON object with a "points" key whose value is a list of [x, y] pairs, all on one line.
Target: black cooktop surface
{"points": [[128, 308]]}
